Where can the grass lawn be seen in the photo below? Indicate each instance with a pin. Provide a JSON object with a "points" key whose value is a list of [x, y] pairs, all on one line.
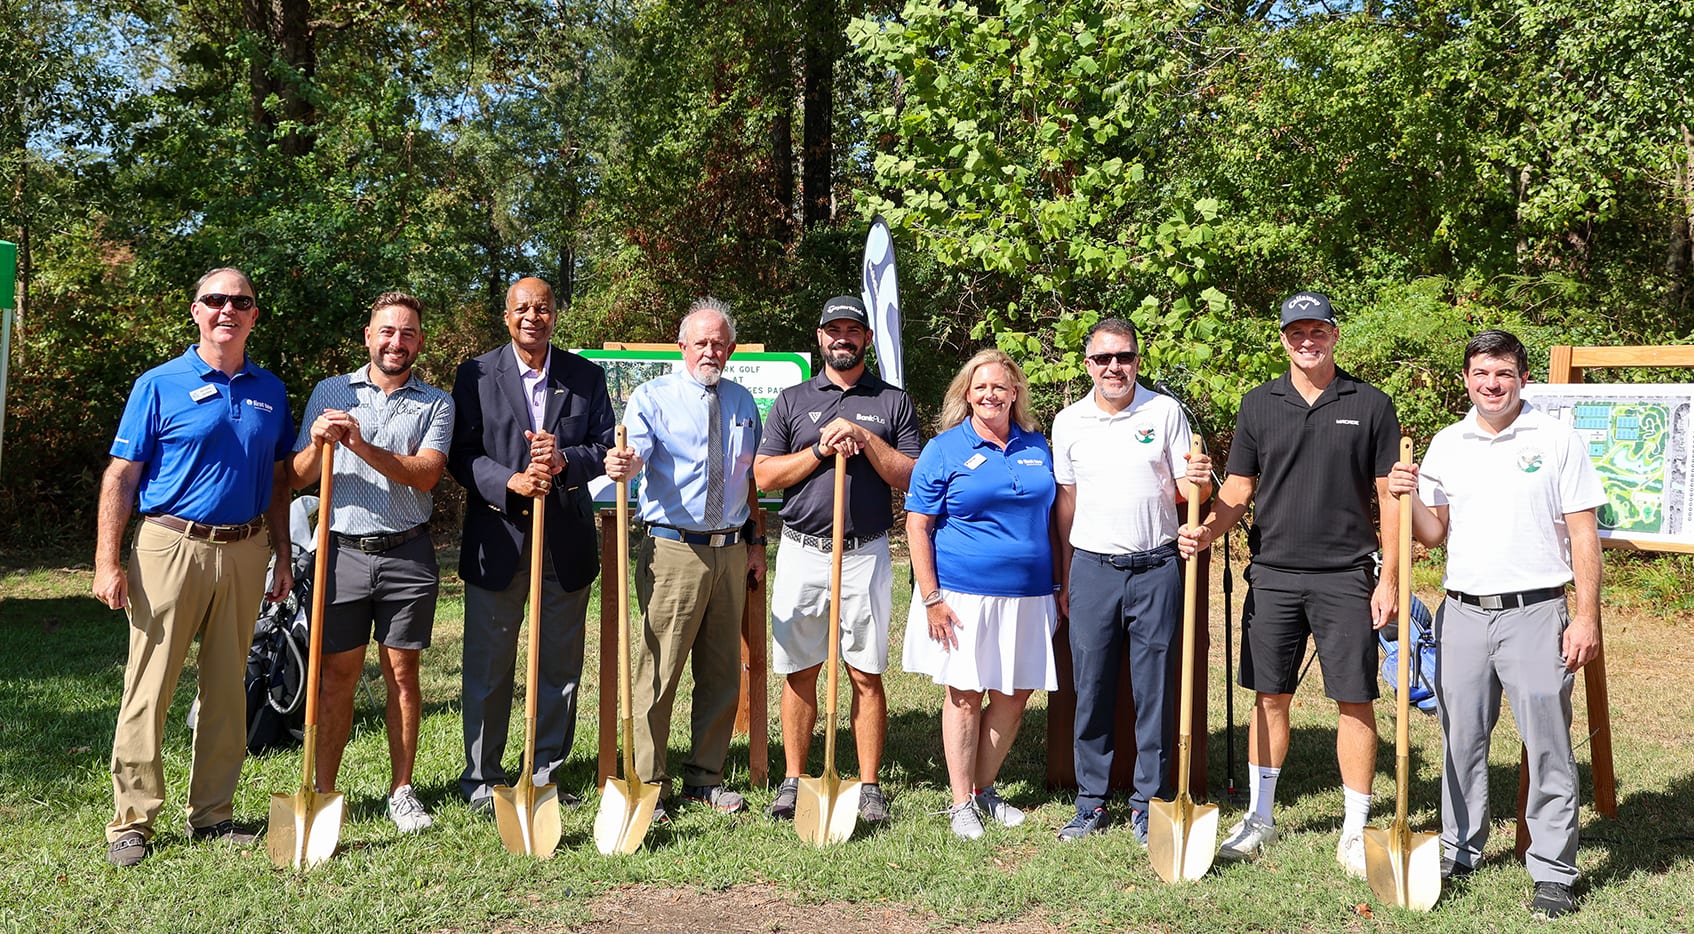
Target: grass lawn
{"points": [[61, 664]]}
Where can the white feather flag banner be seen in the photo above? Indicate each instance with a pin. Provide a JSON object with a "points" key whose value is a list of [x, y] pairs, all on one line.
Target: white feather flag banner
{"points": [[881, 293]]}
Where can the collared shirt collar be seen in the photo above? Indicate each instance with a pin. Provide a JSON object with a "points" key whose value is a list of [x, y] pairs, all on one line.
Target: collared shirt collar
{"points": [[192, 354], [977, 440], [523, 367], [1343, 383], [1473, 424], [868, 380], [362, 376]]}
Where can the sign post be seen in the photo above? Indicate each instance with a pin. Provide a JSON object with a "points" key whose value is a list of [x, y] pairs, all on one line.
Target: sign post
{"points": [[8, 301]]}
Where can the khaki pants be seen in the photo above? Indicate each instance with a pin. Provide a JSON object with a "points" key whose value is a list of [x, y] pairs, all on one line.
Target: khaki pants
{"points": [[692, 597], [180, 588]]}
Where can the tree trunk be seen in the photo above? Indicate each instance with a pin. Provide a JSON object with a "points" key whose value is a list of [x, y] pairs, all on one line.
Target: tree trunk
{"points": [[822, 41], [779, 88], [283, 66], [1680, 256]]}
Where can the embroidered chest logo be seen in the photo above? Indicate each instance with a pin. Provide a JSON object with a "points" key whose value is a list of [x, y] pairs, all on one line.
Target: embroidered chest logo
{"points": [[814, 416], [1529, 461], [1145, 434], [1346, 421]]}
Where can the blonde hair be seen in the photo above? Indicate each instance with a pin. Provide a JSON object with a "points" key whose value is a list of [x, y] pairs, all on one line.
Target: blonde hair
{"points": [[954, 408]]}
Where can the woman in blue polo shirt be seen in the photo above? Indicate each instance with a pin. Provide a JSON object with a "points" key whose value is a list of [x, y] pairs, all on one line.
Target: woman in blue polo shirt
{"points": [[982, 617]]}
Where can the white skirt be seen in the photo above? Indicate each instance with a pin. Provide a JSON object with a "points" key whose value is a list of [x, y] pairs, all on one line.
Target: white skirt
{"points": [[1005, 644]]}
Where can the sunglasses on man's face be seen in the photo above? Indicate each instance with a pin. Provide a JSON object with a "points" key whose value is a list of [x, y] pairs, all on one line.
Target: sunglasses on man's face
{"points": [[1122, 358], [216, 300]]}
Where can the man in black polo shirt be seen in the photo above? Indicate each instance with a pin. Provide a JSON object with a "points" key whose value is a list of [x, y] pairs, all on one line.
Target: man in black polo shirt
{"points": [[849, 409], [1314, 444]]}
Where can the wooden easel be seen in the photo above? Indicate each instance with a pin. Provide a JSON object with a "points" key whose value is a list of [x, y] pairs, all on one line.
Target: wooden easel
{"points": [[1567, 365]]}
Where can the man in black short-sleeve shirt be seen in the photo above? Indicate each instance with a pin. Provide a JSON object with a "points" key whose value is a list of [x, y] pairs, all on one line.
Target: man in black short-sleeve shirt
{"points": [[844, 408], [1314, 445]]}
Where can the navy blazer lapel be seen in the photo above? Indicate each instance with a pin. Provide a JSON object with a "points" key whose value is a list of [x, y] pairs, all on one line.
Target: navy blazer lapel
{"points": [[508, 380], [557, 389]]}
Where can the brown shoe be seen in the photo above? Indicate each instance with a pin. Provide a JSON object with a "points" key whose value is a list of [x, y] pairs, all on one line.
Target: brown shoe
{"points": [[128, 849], [222, 832]]}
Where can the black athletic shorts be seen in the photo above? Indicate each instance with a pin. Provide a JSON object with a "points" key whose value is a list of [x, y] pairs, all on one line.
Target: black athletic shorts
{"points": [[1283, 607]]}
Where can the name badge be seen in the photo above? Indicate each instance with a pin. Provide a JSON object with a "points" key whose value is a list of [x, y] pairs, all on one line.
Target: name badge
{"points": [[203, 393], [977, 460]]}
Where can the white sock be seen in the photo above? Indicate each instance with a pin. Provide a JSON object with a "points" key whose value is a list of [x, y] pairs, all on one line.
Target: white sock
{"points": [[1358, 811], [1263, 794]]}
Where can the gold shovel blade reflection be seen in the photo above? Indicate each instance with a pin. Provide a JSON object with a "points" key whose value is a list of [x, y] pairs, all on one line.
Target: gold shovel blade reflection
{"points": [[304, 827], [827, 809], [1403, 868], [626, 811], [528, 817], [1181, 838]]}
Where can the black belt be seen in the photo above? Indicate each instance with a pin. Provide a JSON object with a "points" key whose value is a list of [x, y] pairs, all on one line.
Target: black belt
{"points": [[1135, 560], [826, 543], [217, 534], [709, 539], [375, 544], [1509, 601]]}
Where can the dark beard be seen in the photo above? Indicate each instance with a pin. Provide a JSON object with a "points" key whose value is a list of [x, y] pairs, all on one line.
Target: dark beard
{"points": [[843, 360]]}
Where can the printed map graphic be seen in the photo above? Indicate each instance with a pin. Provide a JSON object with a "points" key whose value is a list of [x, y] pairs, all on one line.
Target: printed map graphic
{"points": [[1641, 439]]}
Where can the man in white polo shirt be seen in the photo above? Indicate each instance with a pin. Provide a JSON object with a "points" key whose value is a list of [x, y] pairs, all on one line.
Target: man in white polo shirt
{"points": [[1513, 495], [1118, 456]]}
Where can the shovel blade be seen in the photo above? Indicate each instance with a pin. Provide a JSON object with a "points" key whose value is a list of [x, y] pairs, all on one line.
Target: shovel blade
{"points": [[1181, 838], [827, 809], [528, 818], [626, 811], [1403, 868], [304, 827]]}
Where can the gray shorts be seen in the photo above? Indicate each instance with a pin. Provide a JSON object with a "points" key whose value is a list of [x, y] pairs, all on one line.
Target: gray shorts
{"points": [[800, 607], [391, 594]]}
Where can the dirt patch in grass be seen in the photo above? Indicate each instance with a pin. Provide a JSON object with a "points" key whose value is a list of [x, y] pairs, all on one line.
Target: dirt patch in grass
{"points": [[762, 909]]}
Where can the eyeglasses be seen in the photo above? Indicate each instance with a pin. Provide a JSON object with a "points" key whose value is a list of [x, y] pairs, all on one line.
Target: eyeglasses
{"points": [[1123, 358], [216, 300]]}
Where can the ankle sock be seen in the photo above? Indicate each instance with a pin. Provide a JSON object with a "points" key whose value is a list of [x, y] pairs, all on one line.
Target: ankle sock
{"points": [[1357, 810], [1263, 794]]}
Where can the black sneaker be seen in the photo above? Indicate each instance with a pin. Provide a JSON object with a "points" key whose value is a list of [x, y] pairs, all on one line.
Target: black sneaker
{"points": [[1083, 824], [873, 807], [787, 795], [1452, 871], [223, 831], [1552, 899], [720, 798], [128, 849]]}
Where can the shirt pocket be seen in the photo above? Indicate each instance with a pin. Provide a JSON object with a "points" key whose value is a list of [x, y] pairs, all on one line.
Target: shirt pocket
{"points": [[742, 443]]}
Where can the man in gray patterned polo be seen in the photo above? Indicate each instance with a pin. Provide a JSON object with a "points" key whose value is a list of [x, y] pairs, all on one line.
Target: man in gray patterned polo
{"points": [[391, 431]]}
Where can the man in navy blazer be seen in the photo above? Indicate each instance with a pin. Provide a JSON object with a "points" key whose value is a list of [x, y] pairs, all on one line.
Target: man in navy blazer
{"points": [[533, 422]]}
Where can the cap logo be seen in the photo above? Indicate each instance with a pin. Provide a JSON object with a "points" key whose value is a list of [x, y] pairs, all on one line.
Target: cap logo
{"points": [[1303, 302]]}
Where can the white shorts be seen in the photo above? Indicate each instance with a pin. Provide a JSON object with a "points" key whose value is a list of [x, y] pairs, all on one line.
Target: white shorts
{"points": [[800, 607], [1005, 644]]}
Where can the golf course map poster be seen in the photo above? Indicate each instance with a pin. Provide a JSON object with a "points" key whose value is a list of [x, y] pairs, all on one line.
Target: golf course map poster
{"points": [[1641, 439]]}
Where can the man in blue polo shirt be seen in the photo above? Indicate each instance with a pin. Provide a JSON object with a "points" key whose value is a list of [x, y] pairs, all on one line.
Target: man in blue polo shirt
{"points": [[391, 430], [203, 446], [694, 434]]}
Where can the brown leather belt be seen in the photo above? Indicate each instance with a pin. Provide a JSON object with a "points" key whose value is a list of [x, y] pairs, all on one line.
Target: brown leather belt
{"points": [[217, 534]]}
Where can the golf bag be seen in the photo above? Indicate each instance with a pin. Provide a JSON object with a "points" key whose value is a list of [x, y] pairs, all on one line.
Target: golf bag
{"points": [[276, 661], [1421, 691]]}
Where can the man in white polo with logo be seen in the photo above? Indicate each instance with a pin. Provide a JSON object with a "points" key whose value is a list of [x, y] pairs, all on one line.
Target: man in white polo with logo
{"points": [[1513, 495], [1119, 456], [844, 408]]}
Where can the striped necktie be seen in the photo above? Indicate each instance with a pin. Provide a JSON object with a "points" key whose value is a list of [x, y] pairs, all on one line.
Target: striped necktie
{"points": [[714, 460]]}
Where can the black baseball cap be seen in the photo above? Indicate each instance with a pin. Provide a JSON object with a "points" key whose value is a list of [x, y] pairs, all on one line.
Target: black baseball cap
{"points": [[844, 307], [1307, 306]]}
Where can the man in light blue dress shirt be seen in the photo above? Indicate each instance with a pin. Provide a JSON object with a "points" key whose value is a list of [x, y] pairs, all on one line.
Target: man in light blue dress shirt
{"points": [[694, 435]]}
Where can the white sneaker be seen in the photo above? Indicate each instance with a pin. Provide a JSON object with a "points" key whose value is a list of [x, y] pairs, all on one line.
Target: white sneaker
{"points": [[989, 802], [406, 811], [1247, 839], [965, 821], [1350, 853]]}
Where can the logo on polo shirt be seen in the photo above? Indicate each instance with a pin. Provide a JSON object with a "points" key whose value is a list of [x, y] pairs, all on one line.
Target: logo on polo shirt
{"points": [[867, 417], [1530, 461], [1346, 421], [1145, 434], [815, 416], [261, 406], [1031, 462]]}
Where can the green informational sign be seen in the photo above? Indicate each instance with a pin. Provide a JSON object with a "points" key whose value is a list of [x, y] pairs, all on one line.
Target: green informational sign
{"points": [[763, 374], [1641, 440], [8, 274]]}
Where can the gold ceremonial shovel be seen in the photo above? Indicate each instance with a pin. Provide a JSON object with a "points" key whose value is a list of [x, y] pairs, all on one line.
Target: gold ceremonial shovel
{"points": [[528, 815], [1404, 868], [626, 804], [1182, 836], [305, 826], [828, 806]]}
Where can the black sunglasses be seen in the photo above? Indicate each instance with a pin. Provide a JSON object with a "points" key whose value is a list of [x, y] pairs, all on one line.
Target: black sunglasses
{"points": [[216, 300], [1123, 358]]}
